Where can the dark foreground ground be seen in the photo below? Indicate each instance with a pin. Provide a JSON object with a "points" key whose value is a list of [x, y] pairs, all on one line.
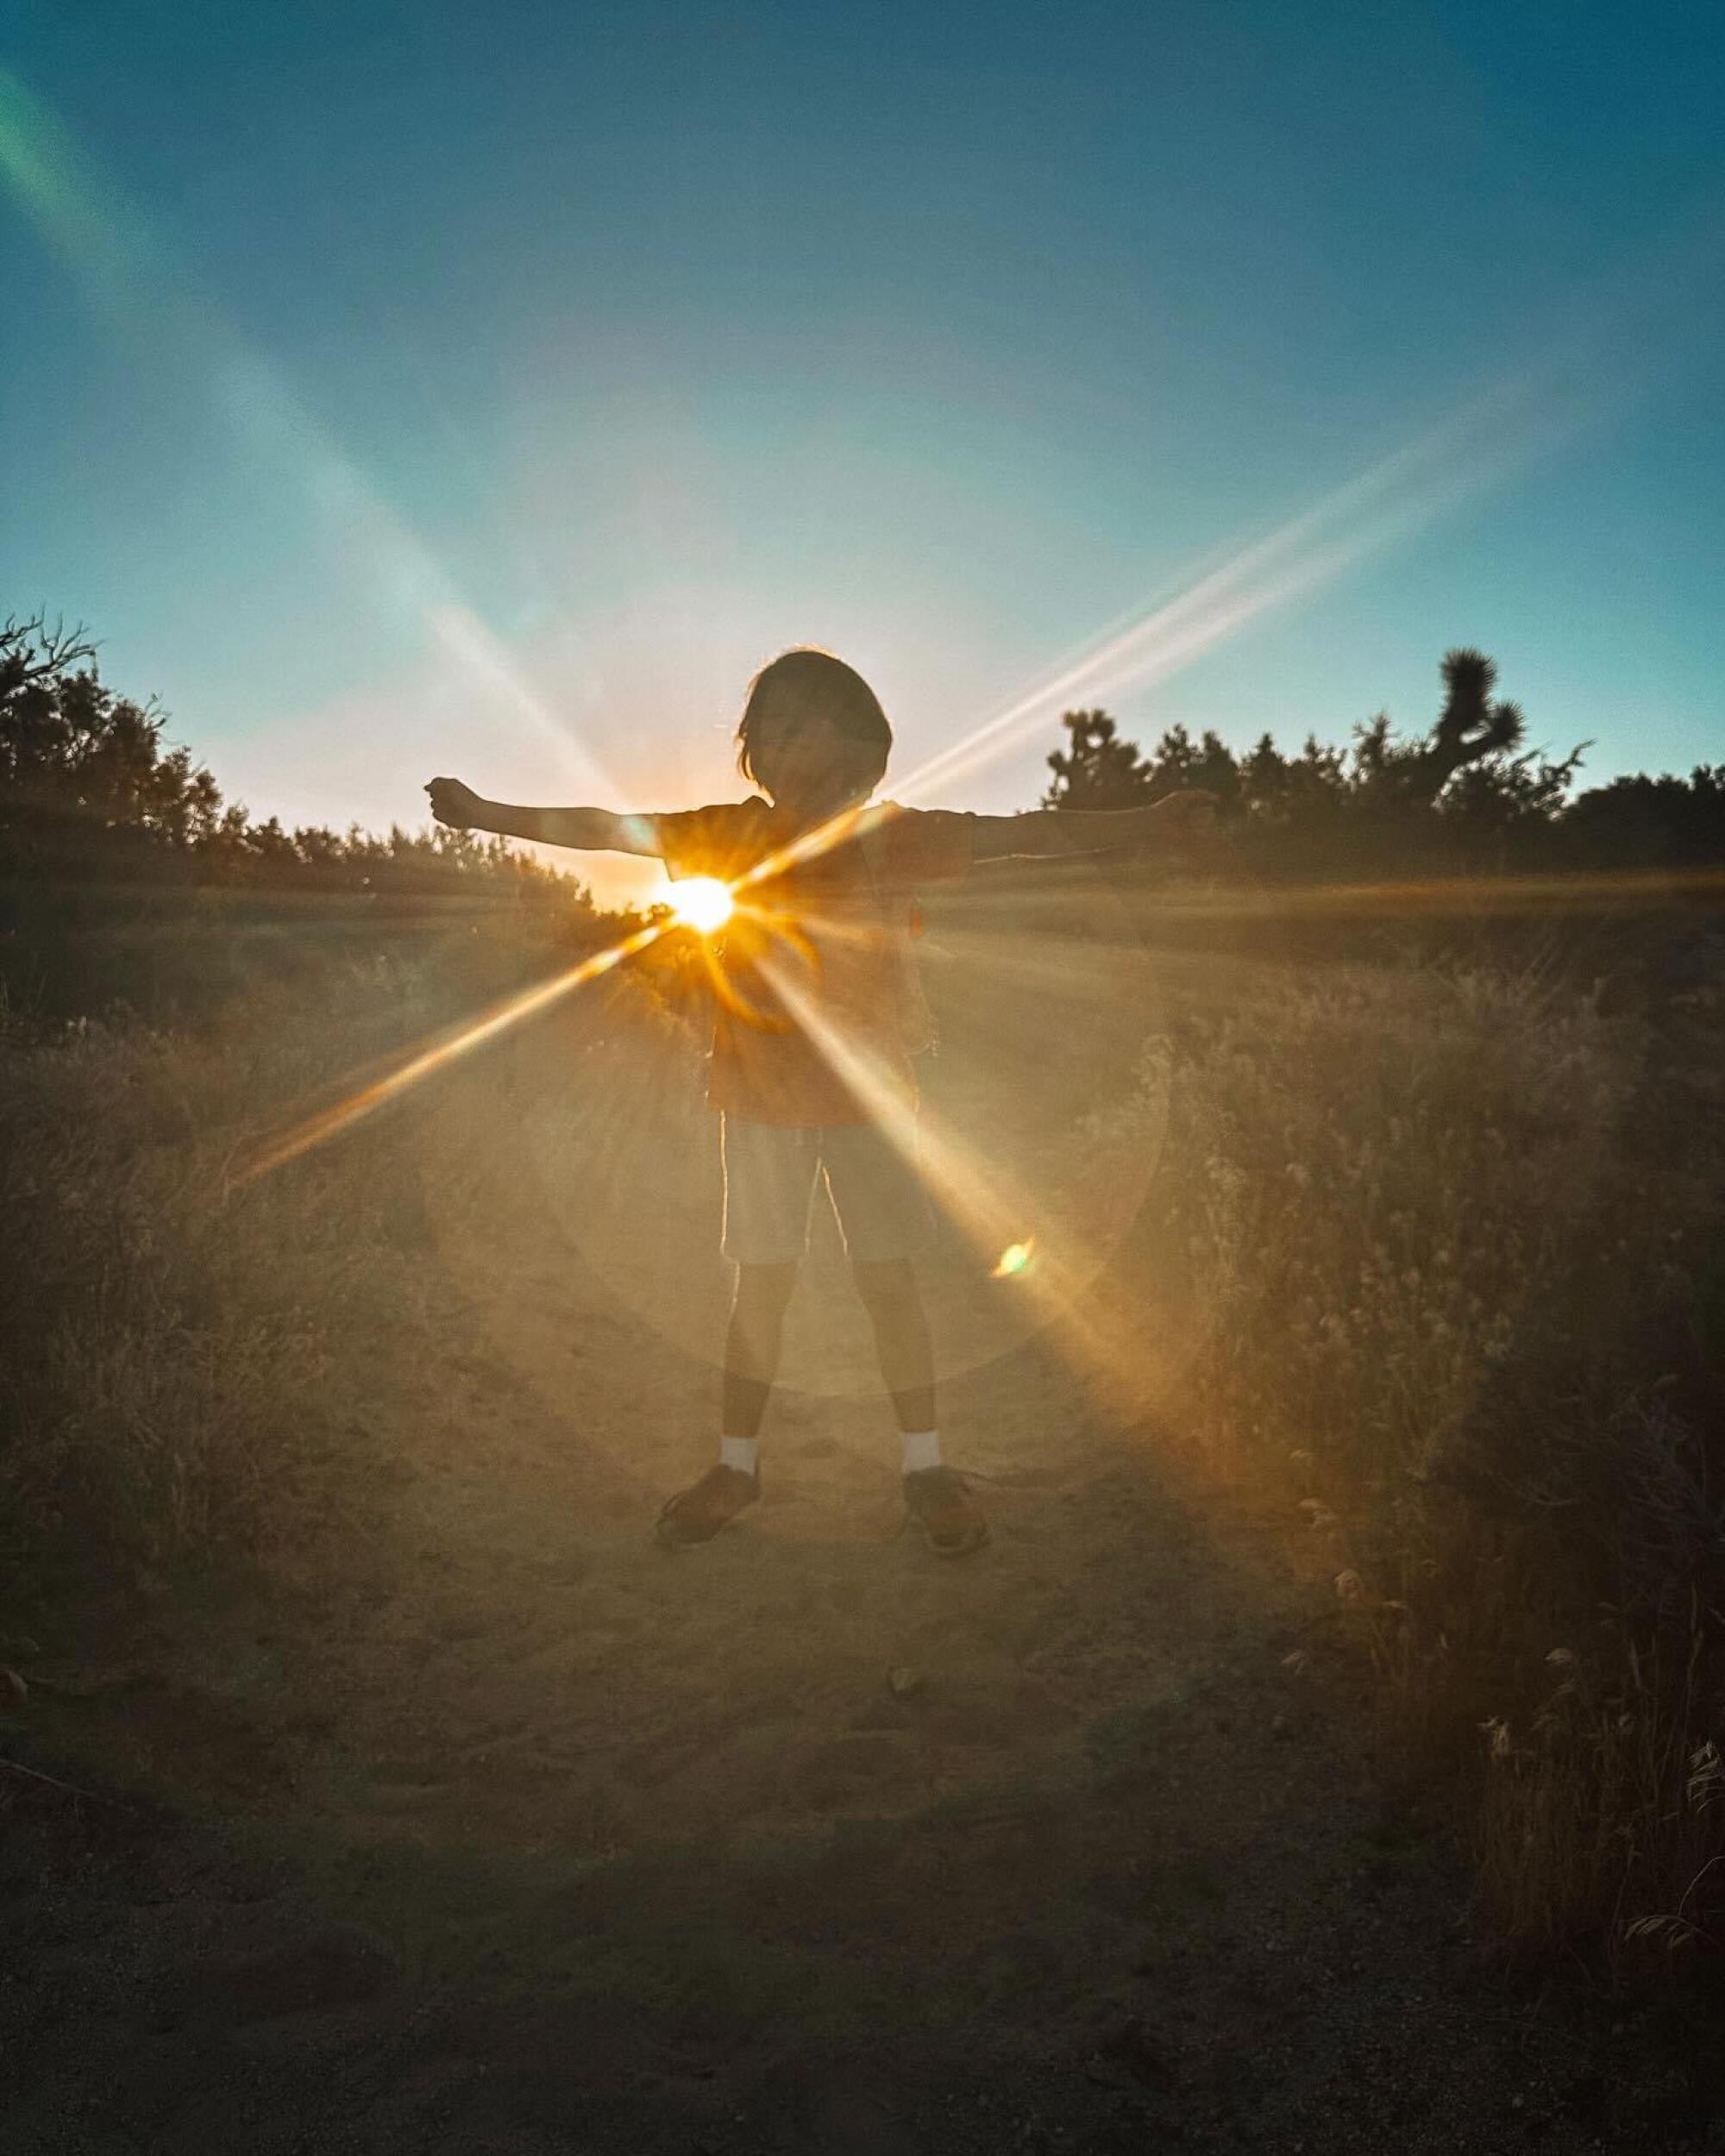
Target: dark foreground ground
{"points": [[476, 1823], [1102, 1874]]}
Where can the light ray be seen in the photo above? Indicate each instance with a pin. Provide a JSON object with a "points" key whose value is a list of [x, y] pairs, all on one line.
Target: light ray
{"points": [[1616, 334], [1593, 358], [131, 274], [1385, 503], [328, 1123], [984, 1201], [1578, 891]]}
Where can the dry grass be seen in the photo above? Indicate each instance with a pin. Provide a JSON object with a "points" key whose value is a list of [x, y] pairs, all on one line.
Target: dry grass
{"points": [[1445, 1243], [183, 1360], [164, 1386]]}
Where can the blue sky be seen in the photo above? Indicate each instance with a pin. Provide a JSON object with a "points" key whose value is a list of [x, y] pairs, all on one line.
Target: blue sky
{"points": [[396, 389]]}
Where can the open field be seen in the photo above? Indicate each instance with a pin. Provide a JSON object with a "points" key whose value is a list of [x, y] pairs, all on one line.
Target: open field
{"points": [[461, 1816]]}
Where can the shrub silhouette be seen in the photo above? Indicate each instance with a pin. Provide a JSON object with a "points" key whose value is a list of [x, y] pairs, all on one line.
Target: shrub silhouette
{"points": [[126, 877], [1465, 795]]}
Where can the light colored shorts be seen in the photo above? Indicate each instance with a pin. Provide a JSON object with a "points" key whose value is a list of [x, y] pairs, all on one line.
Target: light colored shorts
{"points": [[770, 1173]]}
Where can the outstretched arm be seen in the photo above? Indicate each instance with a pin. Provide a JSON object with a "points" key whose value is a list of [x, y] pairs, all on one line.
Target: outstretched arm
{"points": [[589, 829], [1169, 825]]}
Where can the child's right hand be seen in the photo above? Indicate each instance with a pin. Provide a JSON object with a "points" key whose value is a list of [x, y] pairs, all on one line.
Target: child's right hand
{"points": [[456, 805]]}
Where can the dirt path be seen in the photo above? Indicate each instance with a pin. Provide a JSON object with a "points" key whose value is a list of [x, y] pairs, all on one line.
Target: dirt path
{"points": [[501, 1829]]}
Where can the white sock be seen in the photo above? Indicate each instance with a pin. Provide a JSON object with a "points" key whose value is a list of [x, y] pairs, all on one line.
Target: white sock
{"points": [[739, 1452], [922, 1449]]}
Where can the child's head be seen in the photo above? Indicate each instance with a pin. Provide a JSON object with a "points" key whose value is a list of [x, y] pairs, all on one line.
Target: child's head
{"points": [[813, 733]]}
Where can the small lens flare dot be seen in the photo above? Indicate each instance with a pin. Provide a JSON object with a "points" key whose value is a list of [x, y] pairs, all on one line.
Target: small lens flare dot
{"points": [[702, 903], [1014, 1259]]}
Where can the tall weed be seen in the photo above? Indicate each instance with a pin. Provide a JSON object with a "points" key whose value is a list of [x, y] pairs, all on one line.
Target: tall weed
{"points": [[1445, 1243], [182, 1357]]}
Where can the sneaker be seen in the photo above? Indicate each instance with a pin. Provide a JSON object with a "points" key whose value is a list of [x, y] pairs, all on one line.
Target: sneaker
{"points": [[697, 1514], [940, 1503]]}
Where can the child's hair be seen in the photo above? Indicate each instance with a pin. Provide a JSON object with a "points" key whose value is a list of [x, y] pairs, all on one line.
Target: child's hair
{"points": [[810, 683]]}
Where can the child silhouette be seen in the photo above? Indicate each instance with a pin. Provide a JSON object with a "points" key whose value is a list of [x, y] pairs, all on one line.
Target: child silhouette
{"points": [[818, 1019]]}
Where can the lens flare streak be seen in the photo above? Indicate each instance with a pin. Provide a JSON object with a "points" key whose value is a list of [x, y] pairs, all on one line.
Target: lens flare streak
{"points": [[317, 1130], [986, 1205], [133, 275]]}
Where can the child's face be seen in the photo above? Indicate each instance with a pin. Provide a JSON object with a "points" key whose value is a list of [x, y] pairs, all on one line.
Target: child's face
{"points": [[802, 761]]}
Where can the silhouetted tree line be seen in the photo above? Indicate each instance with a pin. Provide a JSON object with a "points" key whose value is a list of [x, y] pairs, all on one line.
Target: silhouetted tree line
{"points": [[125, 876], [1464, 796]]}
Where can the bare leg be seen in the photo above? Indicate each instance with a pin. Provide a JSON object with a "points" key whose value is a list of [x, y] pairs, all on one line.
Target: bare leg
{"points": [[893, 1301], [751, 1346]]}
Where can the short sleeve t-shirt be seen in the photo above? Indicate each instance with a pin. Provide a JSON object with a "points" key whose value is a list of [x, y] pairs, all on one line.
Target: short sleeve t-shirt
{"points": [[818, 1006]]}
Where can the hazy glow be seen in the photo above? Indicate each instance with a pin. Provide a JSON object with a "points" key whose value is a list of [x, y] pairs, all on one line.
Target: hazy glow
{"points": [[1014, 1259], [702, 903]]}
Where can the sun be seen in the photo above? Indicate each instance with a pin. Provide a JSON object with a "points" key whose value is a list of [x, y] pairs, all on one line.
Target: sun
{"points": [[702, 903]]}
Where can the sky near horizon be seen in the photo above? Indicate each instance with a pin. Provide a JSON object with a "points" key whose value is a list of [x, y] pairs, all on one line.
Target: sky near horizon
{"points": [[419, 388]]}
